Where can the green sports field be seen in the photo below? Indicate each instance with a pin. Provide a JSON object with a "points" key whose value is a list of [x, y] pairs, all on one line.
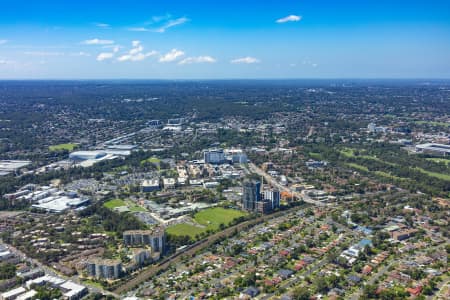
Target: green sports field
{"points": [[111, 204], [62, 147], [210, 218], [213, 217], [185, 229]]}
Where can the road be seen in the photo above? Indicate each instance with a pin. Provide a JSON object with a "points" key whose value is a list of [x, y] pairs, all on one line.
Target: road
{"points": [[52, 272], [357, 294], [281, 187], [317, 265], [175, 258]]}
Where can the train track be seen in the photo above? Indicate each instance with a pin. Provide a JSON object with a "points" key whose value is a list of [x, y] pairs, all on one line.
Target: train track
{"points": [[192, 250]]}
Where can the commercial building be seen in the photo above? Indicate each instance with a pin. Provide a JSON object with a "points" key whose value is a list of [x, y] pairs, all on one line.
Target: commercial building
{"points": [[372, 127], [253, 199], [73, 291], [273, 196], [151, 185], [28, 295], [214, 156], [155, 124], [175, 122], [57, 204], [154, 238], [123, 147], [46, 279], [239, 158], [435, 149], [12, 294], [9, 166], [104, 268], [264, 206], [86, 155], [251, 194], [235, 155], [31, 274]]}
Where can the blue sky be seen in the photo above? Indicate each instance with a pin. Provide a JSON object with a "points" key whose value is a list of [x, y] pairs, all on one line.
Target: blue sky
{"points": [[224, 39]]}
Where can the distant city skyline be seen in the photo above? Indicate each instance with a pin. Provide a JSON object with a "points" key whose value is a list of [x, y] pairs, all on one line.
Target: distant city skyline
{"points": [[224, 40]]}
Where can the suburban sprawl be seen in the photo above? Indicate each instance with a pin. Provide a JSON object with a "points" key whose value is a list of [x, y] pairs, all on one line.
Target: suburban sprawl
{"points": [[312, 189]]}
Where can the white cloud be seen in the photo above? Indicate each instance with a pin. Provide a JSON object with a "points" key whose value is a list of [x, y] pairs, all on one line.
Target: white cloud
{"points": [[103, 25], [136, 50], [3, 42], [136, 53], [136, 57], [245, 60], [290, 18], [139, 29], [43, 53], [168, 24], [172, 23], [97, 42], [81, 53], [307, 62], [6, 62], [198, 59], [114, 48], [104, 56], [171, 55]]}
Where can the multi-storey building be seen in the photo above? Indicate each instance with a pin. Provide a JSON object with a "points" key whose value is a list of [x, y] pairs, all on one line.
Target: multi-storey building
{"points": [[214, 156], [104, 268], [154, 238], [251, 195]]}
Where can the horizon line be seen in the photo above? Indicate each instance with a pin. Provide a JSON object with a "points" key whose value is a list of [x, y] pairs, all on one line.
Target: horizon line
{"points": [[228, 79]]}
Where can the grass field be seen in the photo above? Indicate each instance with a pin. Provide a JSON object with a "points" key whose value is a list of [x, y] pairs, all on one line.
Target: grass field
{"points": [[387, 175], [434, 174], [93, 283], [433, 123], [350, 153], [357, 167], [111, 204], [315, 155], [153, 160], [185, 229], [213, 217], [135, 208], [439, 160], [61, 147]]}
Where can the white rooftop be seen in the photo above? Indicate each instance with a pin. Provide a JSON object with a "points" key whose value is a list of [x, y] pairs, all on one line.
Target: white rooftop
{"points": [[28, 295], [13, 293], [73, 288]]}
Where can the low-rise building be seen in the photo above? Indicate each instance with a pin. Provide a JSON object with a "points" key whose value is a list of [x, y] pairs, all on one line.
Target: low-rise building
{"points": [[401, 235], [169, 183], [73, 291], [151, 185], [433, 148], [12, 294]]}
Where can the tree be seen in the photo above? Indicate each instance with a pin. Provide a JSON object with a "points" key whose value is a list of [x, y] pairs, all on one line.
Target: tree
{"points": [[321, 284], [7, 271], [369, 291], [301, 293]]}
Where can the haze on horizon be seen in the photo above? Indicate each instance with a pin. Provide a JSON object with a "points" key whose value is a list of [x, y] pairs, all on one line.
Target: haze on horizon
{"points": [[233, 39]]}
